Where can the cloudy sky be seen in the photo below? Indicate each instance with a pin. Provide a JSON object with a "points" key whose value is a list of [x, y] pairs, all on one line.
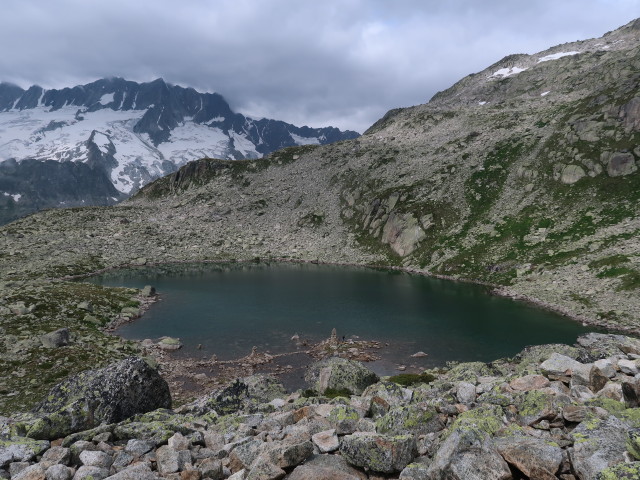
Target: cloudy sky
{"points": [[309, 62]]}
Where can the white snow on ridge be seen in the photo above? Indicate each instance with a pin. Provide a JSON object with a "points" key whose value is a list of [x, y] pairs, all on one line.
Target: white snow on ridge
{"points": [[555, 56], [506, 72], [106, 99], [102, 141], [544, 94], [15, 197], [304, 140]]}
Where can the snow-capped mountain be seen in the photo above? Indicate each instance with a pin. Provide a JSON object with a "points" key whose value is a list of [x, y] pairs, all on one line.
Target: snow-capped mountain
{"points": [[120, 135]]}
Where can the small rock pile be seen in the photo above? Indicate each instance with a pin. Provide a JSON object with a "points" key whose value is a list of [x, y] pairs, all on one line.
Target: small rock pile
{"points": [[551, 412]]}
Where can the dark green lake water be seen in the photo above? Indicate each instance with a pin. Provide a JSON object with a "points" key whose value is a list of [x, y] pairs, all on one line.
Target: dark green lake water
{"points": [[229, 309]]}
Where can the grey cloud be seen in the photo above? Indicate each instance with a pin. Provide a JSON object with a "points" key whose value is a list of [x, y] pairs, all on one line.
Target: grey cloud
{"points": [[339, 62]]}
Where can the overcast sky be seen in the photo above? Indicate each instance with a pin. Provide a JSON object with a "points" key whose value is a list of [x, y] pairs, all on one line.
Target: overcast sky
{"points": [[309, 62]]}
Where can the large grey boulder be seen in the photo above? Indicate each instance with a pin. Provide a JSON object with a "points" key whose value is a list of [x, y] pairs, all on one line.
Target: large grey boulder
{"points": [[534, 457], [339, 374], [598, 444], [621, 164], [326, 467], [95, 397], [468, 454], [56, 339], [19, 449], [380, 453]]}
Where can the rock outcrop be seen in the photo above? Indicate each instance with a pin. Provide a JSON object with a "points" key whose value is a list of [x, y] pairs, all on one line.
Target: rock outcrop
{"points": [[98, 397]]}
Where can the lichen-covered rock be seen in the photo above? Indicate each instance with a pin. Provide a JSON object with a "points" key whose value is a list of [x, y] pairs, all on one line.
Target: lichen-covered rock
{"points": [[381, 396], [380, 453], [468, 454], [344, 419], [598, 444], [326, 467], [486, 420], [339, 374], [107, 395], [622, 471], [416, 419], [534, 406], [243, 394], [20, 449], [529, 359], [607, 345]]}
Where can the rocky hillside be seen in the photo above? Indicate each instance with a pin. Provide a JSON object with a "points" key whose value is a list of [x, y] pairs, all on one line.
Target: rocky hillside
{"points": [[524, 175], [552, 411], [121, 134]]}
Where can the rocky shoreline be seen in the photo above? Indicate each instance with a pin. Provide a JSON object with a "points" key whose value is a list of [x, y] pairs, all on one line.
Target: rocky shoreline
{"points": [[551, 412]]}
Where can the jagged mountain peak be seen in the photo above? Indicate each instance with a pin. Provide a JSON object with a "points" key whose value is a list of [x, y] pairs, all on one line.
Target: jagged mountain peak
{"points": [[134, 132]]}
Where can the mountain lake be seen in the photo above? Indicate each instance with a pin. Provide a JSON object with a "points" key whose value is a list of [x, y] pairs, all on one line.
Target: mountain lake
{"points": [[227, 309]]}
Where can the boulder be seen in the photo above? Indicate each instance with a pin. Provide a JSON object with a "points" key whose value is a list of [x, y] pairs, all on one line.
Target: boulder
{"points": [[91, 473], [243, 394], [403, 233], [19, 449], [598, 444], [326, 467], [93, 397], [56, 339], [621, 164], [380, 453], [326, 441], [381, 396], [466, 392], [32, 472], [468, 454], [571, 174], [414, 418], [534, 457], [58, 472], [605, 345], [339, 374], [529, 382], [558, 365], [344, 419], [139, 471]]}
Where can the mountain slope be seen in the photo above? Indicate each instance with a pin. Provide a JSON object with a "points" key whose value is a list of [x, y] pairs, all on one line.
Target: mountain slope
{"points": [[128, 134], [536, 190]]}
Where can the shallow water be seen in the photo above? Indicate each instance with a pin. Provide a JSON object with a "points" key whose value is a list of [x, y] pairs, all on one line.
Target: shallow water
{"points": [[228, 309]]}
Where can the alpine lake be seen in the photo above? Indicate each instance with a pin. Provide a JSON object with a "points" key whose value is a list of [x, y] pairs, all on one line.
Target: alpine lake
{"points": [[284, 308]]}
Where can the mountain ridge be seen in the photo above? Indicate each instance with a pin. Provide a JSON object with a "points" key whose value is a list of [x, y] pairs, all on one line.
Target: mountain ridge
{"points": [[128, 133]]}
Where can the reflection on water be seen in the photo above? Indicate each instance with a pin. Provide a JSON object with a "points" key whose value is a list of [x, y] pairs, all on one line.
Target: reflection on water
{"points": [[232, 307]]}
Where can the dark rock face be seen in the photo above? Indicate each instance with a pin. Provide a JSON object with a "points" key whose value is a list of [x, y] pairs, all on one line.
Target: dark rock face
{"points": [[93, 397], [243, 394], [47, 184]]}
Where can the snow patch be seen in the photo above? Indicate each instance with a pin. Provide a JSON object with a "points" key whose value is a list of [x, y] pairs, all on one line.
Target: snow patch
{"points": [[555, 56], [544, 94], [482, 103], [106, 99], [102, 141], [304, 140], [15, 197], [506, 72]]}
